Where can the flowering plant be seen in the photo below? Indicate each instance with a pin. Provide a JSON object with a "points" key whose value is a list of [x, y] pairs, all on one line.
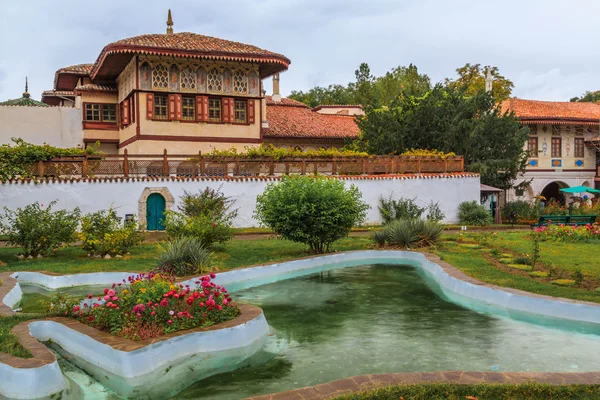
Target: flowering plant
{"points": [[153, 304], [568, 232]]}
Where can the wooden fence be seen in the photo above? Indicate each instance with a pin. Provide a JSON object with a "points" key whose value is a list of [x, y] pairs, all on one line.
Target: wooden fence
{"points": [[140, 165]]}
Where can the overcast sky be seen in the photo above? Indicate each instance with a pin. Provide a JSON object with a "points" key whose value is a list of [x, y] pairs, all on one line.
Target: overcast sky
{"points": [[549, 48]]}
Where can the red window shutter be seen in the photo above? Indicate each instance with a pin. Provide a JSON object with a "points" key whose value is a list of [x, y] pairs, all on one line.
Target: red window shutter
{"points": [[172, 107], [250, 111], [201, 108], [149, 105], [131, 109], [226, 115], [178, 107], [125, 110], [231, 110]]}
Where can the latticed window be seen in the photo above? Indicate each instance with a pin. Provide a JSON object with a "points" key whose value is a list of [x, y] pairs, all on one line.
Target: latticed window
{"points": [[556, 150], [532, 146], [160, 76], [161, 103], [579, 148], [215, 80], [92, 112], [240, 111], [214, 110], [188, 79], [188, 108], [240, 82], [109, 113]]}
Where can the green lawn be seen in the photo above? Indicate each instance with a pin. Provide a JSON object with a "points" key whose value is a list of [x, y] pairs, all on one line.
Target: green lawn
{"points": [[441, 391], [233, 254]]}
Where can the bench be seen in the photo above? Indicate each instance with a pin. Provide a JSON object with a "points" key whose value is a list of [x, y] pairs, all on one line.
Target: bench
{"points": [[576, 220]]}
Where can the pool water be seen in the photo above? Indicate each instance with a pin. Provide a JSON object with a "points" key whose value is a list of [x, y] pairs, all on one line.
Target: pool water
{"points": [[383, 319]]}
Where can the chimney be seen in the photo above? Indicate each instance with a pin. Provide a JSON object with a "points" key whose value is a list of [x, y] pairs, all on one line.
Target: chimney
{"points": [[489, 80], [276, 95]]}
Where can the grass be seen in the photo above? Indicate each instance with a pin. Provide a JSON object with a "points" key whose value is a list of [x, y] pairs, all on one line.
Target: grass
{"points": [[443, 391], [473, 263], [9, 342], [233, 254]]}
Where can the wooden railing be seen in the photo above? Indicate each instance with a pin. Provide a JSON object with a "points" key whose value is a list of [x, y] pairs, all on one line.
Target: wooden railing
{"points": [[139, 165]]}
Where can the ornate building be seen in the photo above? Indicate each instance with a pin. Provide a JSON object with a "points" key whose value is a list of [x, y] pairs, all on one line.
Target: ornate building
{"points": [[561, 145]]}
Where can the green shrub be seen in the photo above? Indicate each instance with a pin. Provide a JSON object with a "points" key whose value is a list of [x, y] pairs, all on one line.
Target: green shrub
{"points": [[522, 267], [577, 276], [434, 213], [522, 260], [563, 282], [207, 216], [380, 237], [183, 256], [102, 233], [413, 233], [473, 213], [495, 253], [391, 209], [315, 211], [538, 274], [523, 210], [39, 230]]}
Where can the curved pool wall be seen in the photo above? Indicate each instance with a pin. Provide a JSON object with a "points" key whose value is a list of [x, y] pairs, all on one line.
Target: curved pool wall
{"points": [[31, 383]]}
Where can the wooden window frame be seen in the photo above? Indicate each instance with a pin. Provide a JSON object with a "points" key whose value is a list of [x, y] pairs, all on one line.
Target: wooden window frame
{"points": [[166, 107], [220, 108], [556, 147], [579, 145], [533, 152], [191, 108], [99, 124], [234, 120]]}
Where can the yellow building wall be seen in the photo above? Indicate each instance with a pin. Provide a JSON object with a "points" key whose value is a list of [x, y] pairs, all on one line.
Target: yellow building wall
{"points": [[202, 129], [177, 147], [568, 160]]}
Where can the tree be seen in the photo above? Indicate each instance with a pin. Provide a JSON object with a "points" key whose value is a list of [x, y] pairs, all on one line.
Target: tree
{"points": [[450, 119], [315, 211], [401, 82], [588, 96], [472, 77]]}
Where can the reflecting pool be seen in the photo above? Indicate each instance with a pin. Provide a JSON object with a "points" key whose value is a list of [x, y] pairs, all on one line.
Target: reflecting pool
{"points": [[380, 319]]}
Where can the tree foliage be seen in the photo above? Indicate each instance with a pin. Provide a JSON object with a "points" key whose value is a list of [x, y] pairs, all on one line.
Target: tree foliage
{"points": [[368, 90], [588, 96], [451, 120], [315, 211], [471, 77]]}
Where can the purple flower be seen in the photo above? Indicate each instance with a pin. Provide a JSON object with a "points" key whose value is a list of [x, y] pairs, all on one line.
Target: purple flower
{"points": [[171, 312]]}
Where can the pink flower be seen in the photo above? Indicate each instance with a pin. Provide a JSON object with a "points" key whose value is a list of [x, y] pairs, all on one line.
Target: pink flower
{"points": [[219, 307], [164, 302], [111, 293], [213, 275], [115, 298], [201, 304], [89, 296], [171, 312], [76, 308], [169, 322], [105, 291], [109, 304], [152, 313], [107, 297]]}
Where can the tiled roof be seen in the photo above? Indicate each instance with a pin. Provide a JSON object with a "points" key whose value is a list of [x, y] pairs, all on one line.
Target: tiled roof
{"points": [[187, 44], [79, 69], [552, 110], [292, 119], [320, 106], [92, 87], [59, 93]]}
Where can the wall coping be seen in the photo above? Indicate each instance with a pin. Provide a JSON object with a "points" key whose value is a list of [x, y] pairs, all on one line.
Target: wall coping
{"points": [[121, 179]]}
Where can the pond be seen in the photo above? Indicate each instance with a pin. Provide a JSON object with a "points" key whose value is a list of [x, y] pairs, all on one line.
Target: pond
{"points": [[382, 319]]}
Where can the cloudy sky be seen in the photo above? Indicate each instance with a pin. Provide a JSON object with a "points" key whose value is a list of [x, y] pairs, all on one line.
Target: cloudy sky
{"points": [[548, 48]]}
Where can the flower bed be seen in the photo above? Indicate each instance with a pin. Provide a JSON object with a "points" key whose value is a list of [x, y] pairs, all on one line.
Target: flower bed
{"points": [[569, 232], [150, 305]]}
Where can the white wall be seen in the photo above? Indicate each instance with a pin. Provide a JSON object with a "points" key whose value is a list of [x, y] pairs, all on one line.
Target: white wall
{"points": [[56, 126], [93, 196]]}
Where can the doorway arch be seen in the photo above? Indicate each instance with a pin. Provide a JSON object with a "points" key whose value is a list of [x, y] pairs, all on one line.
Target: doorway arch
{"points": [[552, 191], [151, 207]]}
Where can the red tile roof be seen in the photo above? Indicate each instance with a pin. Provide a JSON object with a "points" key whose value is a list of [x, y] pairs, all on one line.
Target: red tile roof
{"points": [[549, 111], [92, 87], [187, 44], [78, 70], [58, 93], [292, 119], [321, 106]]}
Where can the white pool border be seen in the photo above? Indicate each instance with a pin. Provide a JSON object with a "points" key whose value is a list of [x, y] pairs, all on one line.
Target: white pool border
{"points": [[451, 282]]}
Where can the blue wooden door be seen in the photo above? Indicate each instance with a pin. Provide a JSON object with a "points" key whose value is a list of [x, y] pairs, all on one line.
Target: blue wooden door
{"points": [[155, 212]]}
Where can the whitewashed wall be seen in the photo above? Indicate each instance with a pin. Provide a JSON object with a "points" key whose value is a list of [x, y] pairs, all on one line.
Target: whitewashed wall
{"points": [[94, 196], [56, 126]]}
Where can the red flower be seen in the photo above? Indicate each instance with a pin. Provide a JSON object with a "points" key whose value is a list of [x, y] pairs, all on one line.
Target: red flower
{"points": [[164, 302], [76, 308], [169, 322], [91, 318]]}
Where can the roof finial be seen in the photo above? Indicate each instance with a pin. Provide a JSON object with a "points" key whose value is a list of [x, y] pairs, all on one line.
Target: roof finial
{"points": [[169, 24], [26, 93]]}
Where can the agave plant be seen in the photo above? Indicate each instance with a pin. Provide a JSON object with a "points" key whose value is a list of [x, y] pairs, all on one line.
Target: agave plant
{"points": [[183, 255], [429, 232], [472, 213], [380, 237], [401, 233]]}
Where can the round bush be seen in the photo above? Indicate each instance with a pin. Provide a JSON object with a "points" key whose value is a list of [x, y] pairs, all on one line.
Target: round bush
{"points": [[315, 211], [183, 255], [473, 213]]}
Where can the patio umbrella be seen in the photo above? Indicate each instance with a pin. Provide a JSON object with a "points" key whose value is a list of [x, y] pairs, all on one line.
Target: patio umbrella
{"points": [[579, 189]]}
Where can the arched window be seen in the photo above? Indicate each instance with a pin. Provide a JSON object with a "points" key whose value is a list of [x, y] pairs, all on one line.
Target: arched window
{"points": [[188, 79], [215, 80], [160, 77], [240, 82]]}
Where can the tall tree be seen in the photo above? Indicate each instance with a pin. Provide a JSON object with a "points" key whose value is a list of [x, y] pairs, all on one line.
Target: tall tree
{"points": [[451, 119], [401, 82], [472, 78], [590, 97]]}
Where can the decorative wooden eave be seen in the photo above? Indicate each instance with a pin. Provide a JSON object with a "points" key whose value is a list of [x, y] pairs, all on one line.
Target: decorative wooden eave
{"points": [[105, 70], [558, 121]]}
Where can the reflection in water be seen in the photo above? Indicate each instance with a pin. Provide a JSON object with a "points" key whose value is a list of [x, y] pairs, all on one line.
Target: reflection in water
{"points": [[381, 318]]}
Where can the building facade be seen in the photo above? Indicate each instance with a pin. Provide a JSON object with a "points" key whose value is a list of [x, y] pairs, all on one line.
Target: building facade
{"points": [[561, 146]]}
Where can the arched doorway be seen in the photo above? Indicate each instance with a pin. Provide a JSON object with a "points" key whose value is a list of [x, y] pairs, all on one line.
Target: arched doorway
{"points": [[552, 191], [155, 212]]}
